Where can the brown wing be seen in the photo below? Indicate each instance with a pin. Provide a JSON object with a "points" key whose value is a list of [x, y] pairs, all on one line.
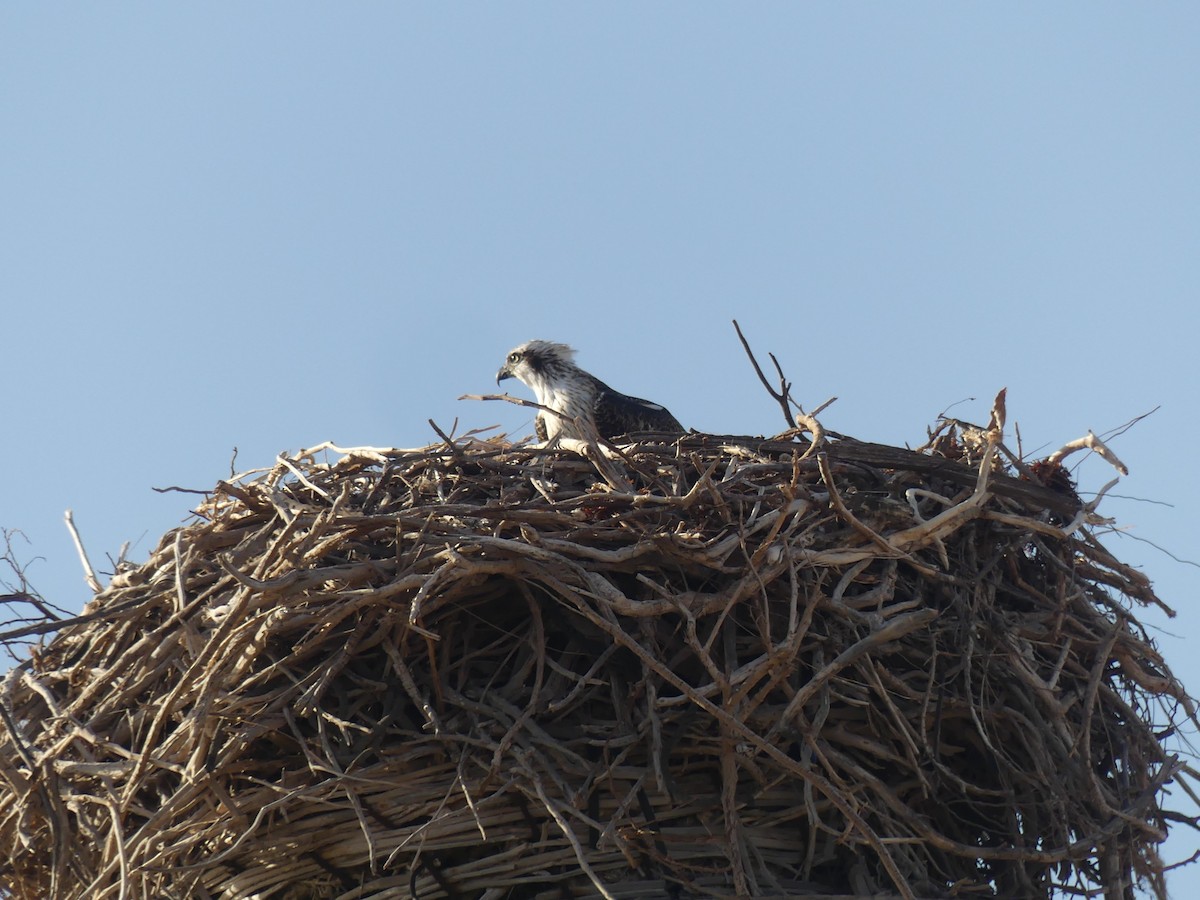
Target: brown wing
{"points": [[617, 413]]}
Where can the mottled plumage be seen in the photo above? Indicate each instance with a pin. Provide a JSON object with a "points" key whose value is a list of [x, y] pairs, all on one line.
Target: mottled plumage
{"points": [[549, 370]]}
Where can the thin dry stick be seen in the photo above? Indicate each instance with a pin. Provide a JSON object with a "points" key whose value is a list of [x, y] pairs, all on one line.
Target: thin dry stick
{"points": [[519, 401], [569, 833], [781, 396], [1089, 442], [89, 573]]}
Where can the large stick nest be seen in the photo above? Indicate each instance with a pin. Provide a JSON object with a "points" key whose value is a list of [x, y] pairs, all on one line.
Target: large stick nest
{"points": [[706, 666]]}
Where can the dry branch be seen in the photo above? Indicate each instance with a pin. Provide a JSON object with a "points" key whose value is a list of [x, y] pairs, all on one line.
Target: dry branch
{"points": [[783, 395]]}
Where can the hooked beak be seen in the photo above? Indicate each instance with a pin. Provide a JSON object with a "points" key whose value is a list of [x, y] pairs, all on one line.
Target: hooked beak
{"points": [[505, 372]]}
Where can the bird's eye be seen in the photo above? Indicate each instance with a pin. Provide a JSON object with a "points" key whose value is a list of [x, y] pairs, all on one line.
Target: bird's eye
{"points": [[514, 357]]}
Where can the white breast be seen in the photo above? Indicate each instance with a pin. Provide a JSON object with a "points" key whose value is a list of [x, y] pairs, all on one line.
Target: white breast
{"points": [[571, 403]]}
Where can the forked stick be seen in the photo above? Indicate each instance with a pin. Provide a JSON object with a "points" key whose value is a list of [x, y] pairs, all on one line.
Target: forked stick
{"points": [[781, 396]]}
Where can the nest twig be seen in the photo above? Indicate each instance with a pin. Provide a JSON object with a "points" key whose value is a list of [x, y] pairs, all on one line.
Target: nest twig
{"points": [[478, 667]]}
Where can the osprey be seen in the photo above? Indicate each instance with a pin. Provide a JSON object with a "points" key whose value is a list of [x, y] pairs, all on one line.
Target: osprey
{"points": [[550, 370]]}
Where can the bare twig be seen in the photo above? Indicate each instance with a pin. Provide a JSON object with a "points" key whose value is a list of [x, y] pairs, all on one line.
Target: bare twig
{"points": [[1121, 429], [446, 438], [89, 573], [1088, 442], [781, 396], [519, 401]]}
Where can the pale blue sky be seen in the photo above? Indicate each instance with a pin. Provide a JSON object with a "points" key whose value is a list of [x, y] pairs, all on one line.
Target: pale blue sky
{"points": [[268, 225]]}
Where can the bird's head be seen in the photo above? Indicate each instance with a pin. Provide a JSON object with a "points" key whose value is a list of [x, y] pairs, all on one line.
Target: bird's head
{"points": [[537, 362]]}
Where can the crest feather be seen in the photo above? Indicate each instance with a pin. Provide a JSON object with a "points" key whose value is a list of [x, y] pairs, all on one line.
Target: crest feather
{"points": [[547, 350]]}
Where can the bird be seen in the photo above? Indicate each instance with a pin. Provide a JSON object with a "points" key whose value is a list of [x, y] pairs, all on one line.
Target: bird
{"points": [[549, 370]]}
